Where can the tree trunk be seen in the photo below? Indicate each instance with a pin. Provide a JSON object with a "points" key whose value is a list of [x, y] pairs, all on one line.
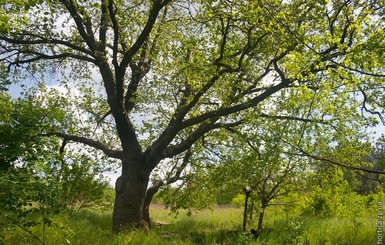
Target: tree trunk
{"points": [[260, 220], [129, 202], [147, 201], [247, 192], [251, 210]]}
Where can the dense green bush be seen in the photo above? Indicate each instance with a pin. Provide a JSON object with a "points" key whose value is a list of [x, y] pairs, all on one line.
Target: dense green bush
{"points": [[37, 178]]}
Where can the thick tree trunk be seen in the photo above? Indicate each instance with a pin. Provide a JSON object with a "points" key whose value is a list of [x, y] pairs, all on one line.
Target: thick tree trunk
{"points": [[129, 202]]}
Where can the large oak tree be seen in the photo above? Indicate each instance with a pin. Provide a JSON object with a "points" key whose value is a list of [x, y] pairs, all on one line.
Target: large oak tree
{"points": [[175, 71]]}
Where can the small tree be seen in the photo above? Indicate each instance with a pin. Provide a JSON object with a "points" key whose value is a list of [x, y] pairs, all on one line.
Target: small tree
{"points": [[264, 162]]}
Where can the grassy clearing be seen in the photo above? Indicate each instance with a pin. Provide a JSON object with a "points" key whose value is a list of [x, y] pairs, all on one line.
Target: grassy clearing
{"points": [[221, 225]]}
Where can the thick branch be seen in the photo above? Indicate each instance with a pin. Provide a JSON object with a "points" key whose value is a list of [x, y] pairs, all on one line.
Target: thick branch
{"points": [[138, 72], [93, 143], [44, 40], [84, 30], [173, 150], [173, 127], [40, 56], [116, 29], [175, 177], [140, 68], [103, 25], [176, 124], [253, 102], [180, 168], [225, 32], [236, 108], [152, 17], [154, 189], [333, 19]]}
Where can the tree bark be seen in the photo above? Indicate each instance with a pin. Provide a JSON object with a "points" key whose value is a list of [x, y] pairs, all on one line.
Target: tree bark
{"points": [[247, 191], [251, 210], [260, 220], [129, 202], [147, 201]]}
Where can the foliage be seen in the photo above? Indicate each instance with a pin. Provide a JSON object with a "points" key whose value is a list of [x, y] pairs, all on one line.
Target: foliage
{"points": [[238, 200], [5, 106], [369, 182], [174, 73], [263, 160], [27, 201], [36, 181], [188, 187], [295, 230], [183, 197], [22, 122], [331, 195]]}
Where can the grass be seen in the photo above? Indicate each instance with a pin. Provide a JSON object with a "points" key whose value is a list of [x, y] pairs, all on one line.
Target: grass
{"points": [[222, 225]]}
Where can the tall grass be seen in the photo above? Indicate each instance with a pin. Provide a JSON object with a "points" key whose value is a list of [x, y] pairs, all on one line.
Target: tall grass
{"points": [[221, 225]]}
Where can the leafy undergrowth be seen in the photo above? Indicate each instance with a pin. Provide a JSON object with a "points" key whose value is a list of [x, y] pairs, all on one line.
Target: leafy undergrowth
{"points": [[219, 226]]}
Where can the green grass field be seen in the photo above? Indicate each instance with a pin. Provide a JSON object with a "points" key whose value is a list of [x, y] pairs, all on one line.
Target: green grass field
{"points": [[222, 225]]}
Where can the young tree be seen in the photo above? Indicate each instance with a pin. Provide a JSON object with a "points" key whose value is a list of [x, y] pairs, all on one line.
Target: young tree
{"points": [[192, 67], [263, 161], [37, 179]]}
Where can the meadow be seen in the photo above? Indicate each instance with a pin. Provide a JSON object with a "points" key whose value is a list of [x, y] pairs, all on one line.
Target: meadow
{"points": [[220, 225]]}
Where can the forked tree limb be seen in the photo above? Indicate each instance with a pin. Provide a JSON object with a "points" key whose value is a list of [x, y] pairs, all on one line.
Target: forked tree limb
{"points": [[169, 180]]}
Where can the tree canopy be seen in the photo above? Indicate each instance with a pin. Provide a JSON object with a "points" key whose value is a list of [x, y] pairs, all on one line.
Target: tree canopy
{"points": [[175, 72]]}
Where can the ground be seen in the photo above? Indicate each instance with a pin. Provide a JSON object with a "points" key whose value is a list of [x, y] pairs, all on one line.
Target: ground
{"points": [[220, 225]]}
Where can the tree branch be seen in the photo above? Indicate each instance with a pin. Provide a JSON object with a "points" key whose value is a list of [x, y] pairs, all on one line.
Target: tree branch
{"points": [[358, 70], [138, 71], [369, 178], [154, 188], [84, 30], [174, 126], [103, 25], [173, 150], [236, 108], [176, 177], [152, 17], [338, 163], [23, 228], [43, 40], [364, 107], [300, 119], [93, 143], [40, 56], [115, 28]]}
